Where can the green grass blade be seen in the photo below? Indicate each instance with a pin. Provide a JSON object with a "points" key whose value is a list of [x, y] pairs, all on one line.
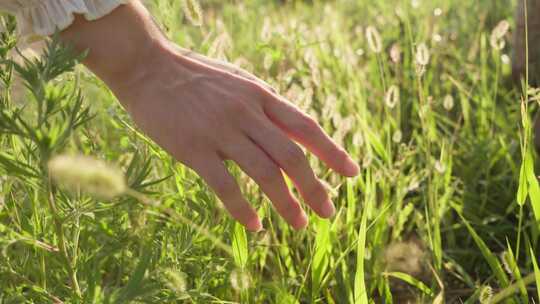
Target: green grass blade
{"points": [[240, 246], [536, 272], [491, 259], [411, 281]]}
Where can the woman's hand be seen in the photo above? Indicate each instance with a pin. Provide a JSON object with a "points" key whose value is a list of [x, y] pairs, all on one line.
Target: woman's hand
{"points": [[204, 112]]}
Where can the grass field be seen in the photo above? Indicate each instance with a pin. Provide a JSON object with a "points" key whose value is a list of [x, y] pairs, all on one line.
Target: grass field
{"points": [[446, 209]]}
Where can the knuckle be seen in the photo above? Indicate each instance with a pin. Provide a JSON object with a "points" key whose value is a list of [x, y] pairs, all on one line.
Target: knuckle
{"points": [[270, 175], [225, 189], [315, 191], [294, 157], [307, 126]]}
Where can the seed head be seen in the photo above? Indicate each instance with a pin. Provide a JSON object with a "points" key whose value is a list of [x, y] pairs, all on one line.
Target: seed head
{"points": [[397, 137], [486, 294], [497, 35], [176, 281], [240, 280], [193, 12], [392, 96], [448, 102], [87, 174], [374, 39], [422, 54]]}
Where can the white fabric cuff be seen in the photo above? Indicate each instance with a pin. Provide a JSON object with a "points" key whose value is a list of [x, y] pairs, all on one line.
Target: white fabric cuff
{"points": [[44, 17]]}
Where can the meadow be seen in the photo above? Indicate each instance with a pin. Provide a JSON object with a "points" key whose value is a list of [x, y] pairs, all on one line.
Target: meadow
{"points": [[445, 210]]}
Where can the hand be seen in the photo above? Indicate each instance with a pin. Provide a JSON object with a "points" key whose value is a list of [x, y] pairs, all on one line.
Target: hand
{"points": [[204, 112]]}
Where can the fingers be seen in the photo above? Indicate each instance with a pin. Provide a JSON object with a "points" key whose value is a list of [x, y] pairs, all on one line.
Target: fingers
{"points": [[268, 176], [309, 133], [287, 155], [216, 175]]}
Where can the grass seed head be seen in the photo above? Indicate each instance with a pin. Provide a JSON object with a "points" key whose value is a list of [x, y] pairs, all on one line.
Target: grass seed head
{"points": [[486, 294], [374, 39], [422, 54], [397, 137], [240, 280], [193, 12], [448, 102], [87, 174], [392, 97], [497, 35]]}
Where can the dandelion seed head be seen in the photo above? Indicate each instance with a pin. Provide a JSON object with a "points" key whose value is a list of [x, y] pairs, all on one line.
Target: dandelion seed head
{"points": [[87, 174]]}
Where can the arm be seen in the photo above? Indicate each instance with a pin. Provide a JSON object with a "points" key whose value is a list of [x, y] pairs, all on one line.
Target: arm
{"points": [[202, 113]]}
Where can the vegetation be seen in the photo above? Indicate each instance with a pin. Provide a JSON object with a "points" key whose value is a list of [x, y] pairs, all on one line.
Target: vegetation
{"points": [[446, 210]]}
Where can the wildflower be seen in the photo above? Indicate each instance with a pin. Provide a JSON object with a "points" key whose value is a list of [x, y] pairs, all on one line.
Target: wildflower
{"points": [[448, 102], [374, 39], [437, 12], [437, 38], [497, 35], [240, 280], [87, 174], [422, 54], [193, 12], [392, 96]]}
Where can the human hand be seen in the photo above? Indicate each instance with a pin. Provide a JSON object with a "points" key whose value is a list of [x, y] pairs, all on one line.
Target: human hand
{"points": [[204, 112]]}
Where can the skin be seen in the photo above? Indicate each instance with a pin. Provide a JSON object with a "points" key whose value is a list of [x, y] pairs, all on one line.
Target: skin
{"points": [[204, 111]]}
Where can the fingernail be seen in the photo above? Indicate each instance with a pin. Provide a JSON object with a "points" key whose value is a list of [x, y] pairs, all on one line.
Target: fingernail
{"points": [[302, 222], [328, 209], [352, 169], [255, 225]]}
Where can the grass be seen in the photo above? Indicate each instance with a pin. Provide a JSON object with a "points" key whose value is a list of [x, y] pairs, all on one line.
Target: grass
{"points": [[446, 209]]}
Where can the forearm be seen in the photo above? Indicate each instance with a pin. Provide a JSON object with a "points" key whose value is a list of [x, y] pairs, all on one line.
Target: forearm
{"points": [[118, 43]]}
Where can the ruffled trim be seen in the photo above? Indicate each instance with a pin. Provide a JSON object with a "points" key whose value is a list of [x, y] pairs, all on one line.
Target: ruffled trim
{"points": [[44, 17]]}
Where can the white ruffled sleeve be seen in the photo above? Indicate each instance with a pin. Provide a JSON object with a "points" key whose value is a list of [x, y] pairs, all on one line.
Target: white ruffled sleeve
{"points": [[44, 17]]}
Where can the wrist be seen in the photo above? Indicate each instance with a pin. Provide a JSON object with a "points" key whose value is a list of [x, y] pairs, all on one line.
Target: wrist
{"points": [[119, 45]]}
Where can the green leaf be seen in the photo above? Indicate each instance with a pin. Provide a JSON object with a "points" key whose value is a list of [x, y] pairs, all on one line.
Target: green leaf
{"points": [[536, 272], [534, 188], [239, 246], [412, 281], [488, 255]]}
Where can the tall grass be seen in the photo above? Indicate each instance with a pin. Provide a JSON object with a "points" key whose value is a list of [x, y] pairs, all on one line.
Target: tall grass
{"points": [[445, 210]]}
